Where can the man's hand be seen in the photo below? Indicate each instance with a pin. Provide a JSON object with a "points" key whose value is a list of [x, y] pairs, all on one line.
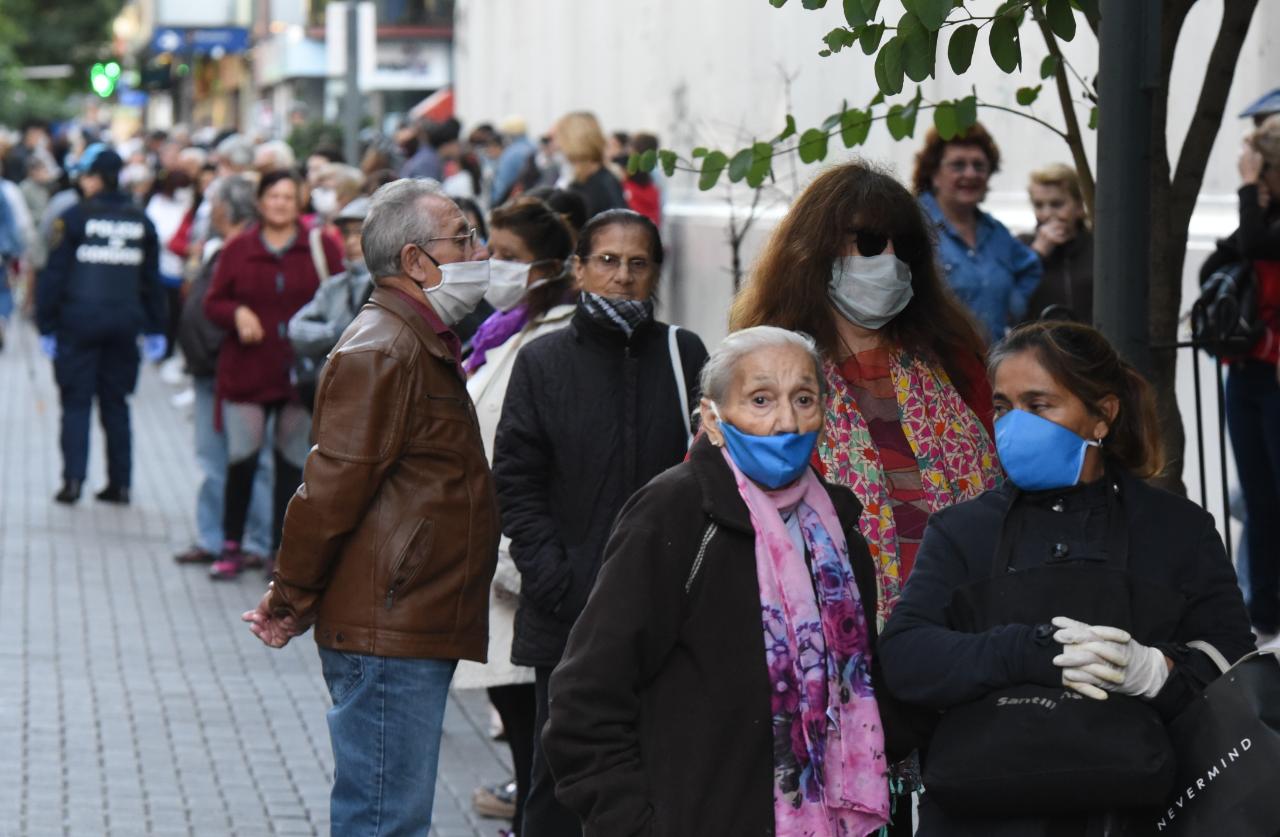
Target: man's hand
{"points": [[248, 326], [272, 630], [1250, 164]]}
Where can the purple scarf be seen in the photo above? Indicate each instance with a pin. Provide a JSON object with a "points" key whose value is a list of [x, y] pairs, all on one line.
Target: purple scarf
{"points": [[493, 332], [829, 772]]}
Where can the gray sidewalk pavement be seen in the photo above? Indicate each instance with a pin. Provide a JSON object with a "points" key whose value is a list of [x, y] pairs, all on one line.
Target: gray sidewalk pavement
{"points": [[135, 701]]}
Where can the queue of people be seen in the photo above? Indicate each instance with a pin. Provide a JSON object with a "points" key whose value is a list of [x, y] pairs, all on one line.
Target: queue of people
{"points": [[471, 456]]}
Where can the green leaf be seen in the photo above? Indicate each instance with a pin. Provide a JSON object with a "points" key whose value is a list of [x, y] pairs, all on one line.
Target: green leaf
{"points": [[1027, 95], [648, 160], [777, 4], [633, 163], [740, 165], [1093, 119], [855, 125], [932, 13], [897, 121], [761, 164], [668, 159], [945, 120], [813, 145], [966, 114], [1090, 10], [854, 14], [960, 48], [834, 119], [870, 7], [889, 67], [918, 55], [877, 99], [712, 166], [700, 151], [839, 38], [1006, 49], [788, 131], [813, 4], [1048, 66], [1062, 21], [824, 53], [870, 38]]}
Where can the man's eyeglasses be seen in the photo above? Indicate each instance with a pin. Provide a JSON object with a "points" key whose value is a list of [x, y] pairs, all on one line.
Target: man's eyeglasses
{"points": [[869, 243], [609, 263], [979, 167], [466, 239]]}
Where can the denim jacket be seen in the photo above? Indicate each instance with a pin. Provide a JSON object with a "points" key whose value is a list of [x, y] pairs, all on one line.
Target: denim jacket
{"points": [[994, 279]]}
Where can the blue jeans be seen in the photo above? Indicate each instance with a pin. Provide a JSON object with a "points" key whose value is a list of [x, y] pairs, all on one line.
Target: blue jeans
{"points": [[1253, 417], [211, 454], [385, 727]]}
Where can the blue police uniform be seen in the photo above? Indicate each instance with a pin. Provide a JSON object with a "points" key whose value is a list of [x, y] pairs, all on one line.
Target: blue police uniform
{"points": [[99, 290]]}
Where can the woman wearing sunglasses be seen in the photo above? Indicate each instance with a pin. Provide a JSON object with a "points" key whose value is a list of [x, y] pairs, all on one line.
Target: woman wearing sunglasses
{"points": [[992, 272], [907, 412]]}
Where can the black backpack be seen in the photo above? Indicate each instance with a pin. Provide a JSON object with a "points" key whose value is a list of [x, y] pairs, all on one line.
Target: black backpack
{"points": [[1225, 320]]}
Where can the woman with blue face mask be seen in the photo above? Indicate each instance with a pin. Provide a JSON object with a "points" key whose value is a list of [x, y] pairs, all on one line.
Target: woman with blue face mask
{"points": [[1074, 587], [723, 677]]}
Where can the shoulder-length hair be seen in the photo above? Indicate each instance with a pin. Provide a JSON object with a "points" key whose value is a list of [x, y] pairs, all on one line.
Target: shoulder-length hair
{"points": [[789, 284], [929, 158]]}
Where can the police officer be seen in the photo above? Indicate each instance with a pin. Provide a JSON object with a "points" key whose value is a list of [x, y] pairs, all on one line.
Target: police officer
{"points": [[99, 290]]}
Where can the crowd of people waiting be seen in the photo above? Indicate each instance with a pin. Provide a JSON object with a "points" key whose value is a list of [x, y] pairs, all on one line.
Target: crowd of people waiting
{"points": [[909, 392]]}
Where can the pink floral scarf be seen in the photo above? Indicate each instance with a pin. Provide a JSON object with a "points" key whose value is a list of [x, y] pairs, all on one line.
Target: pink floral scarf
{"points": [[830, 776], [957, 458]]}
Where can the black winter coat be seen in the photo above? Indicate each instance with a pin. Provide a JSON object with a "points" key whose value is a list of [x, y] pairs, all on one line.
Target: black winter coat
{"points": [[589, 417], [1172, 545], [1257, 237], [660, 713]]}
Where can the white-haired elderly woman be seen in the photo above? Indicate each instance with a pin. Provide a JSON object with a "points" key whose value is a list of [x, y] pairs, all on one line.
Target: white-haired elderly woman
{"points": [[722, 677]]}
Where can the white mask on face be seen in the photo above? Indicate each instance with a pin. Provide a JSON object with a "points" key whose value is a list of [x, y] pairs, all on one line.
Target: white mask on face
{"points": [[870, 290], [507, 281], [324, 201], [462, 286]]}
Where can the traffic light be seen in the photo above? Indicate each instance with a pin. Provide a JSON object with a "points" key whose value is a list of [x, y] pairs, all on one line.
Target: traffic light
{"points": [[103, 78]]}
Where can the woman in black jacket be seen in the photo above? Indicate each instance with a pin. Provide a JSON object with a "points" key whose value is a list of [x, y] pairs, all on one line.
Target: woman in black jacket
{"points": [[1076, 582], [592, 413], [721, 680]]}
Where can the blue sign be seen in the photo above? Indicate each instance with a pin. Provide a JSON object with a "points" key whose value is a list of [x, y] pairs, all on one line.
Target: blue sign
{"points": [[226, 40]]}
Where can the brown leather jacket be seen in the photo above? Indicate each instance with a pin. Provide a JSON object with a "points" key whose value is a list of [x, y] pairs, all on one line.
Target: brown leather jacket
{"points": [[391, 541]]}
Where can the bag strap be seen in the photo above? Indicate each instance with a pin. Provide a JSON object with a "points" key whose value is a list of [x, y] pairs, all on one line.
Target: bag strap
{"points": [[677, 369], [1212, 653], [317, 255]]}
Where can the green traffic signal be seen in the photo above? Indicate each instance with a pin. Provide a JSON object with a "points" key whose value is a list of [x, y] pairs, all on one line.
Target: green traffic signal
{"points": [[103, 77]]}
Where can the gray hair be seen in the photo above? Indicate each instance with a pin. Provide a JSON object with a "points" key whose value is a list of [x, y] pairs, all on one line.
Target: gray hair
{"points": [[236, 151], [275, 154], [717, 374], [396, 218], [238, 194]]}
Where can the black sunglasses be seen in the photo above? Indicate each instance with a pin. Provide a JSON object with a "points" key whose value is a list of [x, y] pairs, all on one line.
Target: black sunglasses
{"points": [[869, 243]]}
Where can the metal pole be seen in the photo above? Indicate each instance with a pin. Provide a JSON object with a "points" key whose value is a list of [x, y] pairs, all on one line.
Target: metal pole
{"points": [[351, 99], [1128, 66], [1222, 461]]}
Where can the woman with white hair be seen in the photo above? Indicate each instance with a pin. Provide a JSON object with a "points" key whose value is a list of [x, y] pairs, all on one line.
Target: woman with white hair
{"points": [[722, 678]]}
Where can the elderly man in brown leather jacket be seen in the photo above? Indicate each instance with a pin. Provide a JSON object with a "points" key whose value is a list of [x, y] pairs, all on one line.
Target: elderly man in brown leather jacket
{"points": [[391, 541]]}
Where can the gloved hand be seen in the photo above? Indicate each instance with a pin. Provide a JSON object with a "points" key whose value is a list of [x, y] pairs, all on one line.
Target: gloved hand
{"points": [[1095, 658], [153, 347], [48, 346]]}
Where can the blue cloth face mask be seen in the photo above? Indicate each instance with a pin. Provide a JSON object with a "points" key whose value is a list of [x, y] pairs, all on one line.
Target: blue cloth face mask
{"points": [[773, 461], [1038, 454]]}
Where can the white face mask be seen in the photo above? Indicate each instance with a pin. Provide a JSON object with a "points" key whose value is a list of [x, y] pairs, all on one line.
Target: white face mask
{"points": [[462, 286], [324, 201], [870, 290], [507, 281]]}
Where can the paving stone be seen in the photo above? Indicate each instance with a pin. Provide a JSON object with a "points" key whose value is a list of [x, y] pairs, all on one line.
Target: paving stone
{"points": [[135, 701]]}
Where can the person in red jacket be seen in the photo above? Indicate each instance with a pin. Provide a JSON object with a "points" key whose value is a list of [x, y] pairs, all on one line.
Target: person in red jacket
{"points": [[641, 189], [264, 276]]}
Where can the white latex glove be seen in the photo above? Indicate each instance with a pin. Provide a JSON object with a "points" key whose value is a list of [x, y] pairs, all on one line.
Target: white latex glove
{"points": [[1098, 657]]}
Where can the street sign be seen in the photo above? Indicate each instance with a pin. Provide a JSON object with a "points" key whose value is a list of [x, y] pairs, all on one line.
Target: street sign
{"points": [[217, 41]]}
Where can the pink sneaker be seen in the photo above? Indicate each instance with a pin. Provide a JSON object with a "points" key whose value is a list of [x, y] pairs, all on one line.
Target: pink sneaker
{"points": [[228, 565]]}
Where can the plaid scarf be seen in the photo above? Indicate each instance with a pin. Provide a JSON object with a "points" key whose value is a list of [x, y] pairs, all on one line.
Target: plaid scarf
{"points": [[625, 315]]}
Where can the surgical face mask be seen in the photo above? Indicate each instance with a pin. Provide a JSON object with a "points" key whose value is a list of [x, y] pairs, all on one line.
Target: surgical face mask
{"points": [[772, 461], [324, 200], [507, 283], [462, 286], [1038, 454], [870, 290]]}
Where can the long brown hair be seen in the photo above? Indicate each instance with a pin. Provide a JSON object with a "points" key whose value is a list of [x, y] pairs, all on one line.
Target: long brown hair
{"points": [[1081, 360], [789, 284]]}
